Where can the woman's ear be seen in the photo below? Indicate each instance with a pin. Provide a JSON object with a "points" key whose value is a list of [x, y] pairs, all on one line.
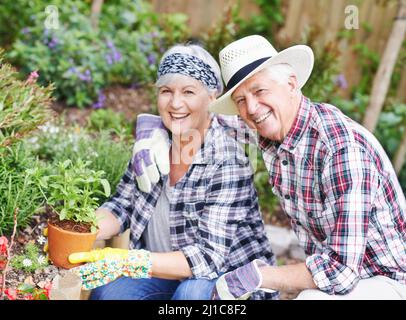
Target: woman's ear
{"points": [[212, 97]]}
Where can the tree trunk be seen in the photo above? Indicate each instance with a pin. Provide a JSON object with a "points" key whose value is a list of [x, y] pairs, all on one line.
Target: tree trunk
{"points": [[400, 155], [95, 13], [384, 73]]}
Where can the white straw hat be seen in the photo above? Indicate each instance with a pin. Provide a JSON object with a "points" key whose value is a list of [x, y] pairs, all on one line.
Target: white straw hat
{"points": [[243, 58]]}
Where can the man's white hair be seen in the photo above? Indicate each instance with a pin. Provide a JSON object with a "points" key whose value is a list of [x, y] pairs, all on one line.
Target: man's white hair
{"points": [[202, 54], [281, 73]]}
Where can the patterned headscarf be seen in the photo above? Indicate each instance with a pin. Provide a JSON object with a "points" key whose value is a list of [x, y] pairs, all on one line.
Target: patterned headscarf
{"points": [[191, 66]]}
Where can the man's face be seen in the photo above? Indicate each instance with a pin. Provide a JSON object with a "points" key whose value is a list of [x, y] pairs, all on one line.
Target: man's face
{"points": [[266, 105]]}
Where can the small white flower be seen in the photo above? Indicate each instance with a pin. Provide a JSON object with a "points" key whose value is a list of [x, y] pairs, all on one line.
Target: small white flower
{"points": [[27, 262], [42, 260], [41, 240]]}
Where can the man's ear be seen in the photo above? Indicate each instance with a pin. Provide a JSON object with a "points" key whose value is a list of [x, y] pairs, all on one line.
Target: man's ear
{"points": [[292, 83]]}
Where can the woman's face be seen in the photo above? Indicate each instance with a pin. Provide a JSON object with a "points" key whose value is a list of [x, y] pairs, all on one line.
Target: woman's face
{"points": [[183, 105]]}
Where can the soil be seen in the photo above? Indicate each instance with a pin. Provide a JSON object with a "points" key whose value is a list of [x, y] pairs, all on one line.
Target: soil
{"points": [[129, 101], [68, 225]]}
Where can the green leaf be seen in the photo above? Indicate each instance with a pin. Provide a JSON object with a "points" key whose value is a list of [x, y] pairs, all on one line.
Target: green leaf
{"points": [[26, 288], [106, 187]]}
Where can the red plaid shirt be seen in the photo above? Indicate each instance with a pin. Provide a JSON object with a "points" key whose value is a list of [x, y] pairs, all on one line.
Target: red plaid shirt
{"points": [[336, 183]]}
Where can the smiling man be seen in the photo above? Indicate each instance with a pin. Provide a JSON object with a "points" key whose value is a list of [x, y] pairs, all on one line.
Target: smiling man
{"points": [[332, 177]]}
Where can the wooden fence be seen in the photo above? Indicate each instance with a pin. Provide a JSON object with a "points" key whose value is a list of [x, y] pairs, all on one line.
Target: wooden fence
{"points": [[301, 14]]}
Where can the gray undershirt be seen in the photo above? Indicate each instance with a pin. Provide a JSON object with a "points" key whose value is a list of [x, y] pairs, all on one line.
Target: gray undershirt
{"points": [[156, 235]]}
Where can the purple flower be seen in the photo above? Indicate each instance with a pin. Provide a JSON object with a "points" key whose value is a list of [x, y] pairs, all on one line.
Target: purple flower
{"points": [[109, 59], [151, 58], [341, 82], [113, 55], [100, 101], [25, 30], [110, 44], [53, 43], [116, 56], [86, 76], [72, 70]]}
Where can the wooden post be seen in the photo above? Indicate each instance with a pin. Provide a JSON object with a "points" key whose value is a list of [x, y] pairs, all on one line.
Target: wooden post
{"points": [[382, 78], [95, 13], [400, 155]]}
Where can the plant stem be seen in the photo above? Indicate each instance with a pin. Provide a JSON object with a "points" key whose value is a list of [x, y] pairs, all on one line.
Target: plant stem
{"points": [[3, 286]]}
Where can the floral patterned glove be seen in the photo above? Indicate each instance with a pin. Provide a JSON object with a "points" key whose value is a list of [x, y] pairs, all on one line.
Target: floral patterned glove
{"points": [[240, 283], [150, 152], [108, 264]]}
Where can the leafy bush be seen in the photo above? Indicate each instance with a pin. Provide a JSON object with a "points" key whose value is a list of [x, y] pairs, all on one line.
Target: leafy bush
{"points": [[23, 105], [82, 60], [16, 189], [107, 119]]}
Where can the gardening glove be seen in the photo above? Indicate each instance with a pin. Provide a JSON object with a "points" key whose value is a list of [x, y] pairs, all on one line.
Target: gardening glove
{"points": [[150, 152], [240, 283], [108, 264]]}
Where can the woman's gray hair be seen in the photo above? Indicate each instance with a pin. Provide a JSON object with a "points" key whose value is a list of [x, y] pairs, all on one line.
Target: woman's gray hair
{"points": [[202, 54]]}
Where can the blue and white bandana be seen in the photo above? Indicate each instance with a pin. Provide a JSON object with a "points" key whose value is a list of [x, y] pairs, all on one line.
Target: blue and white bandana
{"points": [[191, 66]]}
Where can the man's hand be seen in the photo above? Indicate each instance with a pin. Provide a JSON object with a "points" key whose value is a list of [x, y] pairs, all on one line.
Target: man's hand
{"points": [[106, 265], [240, 283], [150, 152]]}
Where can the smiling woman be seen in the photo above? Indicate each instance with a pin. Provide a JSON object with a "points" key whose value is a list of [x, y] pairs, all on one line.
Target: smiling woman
{"points": [[192, 225]]}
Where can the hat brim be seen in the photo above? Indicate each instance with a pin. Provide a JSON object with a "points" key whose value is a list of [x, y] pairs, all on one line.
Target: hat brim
{"points": [[299, 57]]}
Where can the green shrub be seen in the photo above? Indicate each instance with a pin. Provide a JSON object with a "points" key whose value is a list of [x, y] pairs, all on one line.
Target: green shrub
{"points": [[23, 105], [16, 189], [107, 119]]}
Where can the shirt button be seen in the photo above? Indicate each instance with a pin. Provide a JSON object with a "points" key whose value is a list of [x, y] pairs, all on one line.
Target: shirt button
{"points": [[285, 162], [287, 197], [310, 214]]}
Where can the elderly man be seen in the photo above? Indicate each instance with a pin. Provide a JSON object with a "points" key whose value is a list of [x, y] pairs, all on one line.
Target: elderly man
{"points": [[331, 175]]}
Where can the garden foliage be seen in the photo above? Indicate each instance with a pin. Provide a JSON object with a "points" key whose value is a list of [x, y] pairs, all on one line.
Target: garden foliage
{"points": [[81, 60]]}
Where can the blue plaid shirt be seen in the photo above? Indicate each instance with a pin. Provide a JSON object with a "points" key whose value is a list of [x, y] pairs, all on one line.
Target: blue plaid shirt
{"points": [[214, 214]]}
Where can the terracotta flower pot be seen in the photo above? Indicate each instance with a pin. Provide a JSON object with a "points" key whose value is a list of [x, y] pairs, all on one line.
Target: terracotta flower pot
{"points": [[61, 243]]}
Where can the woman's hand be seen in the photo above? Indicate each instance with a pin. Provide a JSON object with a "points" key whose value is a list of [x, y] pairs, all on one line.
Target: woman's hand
{"points": [[108, 264]]}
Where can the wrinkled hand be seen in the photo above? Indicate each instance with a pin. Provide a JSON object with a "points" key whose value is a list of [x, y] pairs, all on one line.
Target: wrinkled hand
{"points": [[240, 283], [150, 152], [106, 265]]}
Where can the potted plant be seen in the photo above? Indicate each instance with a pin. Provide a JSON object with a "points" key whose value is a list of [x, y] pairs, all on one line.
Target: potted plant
{"points": [[71, 196]]}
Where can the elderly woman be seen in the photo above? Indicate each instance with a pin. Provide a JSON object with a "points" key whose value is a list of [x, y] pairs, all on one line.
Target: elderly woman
{"points": [[196, 223]]}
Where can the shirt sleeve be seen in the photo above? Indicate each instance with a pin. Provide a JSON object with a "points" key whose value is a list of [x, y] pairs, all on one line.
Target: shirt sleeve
{"points": [[350, 182], [229, 199], [121, 204]]}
